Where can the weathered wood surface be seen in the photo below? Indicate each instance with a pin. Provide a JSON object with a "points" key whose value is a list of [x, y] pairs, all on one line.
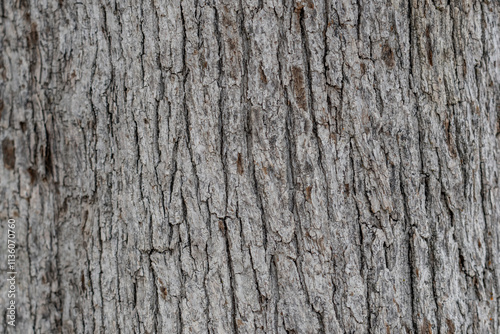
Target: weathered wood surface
{"points": [[252, 166]]}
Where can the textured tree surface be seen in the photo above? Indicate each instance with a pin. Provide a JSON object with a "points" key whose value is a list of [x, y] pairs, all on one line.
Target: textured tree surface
{"points": [[251, 166]]}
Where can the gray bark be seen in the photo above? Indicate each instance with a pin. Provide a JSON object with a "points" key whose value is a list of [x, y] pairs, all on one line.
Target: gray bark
{"points": [[252, 166]]}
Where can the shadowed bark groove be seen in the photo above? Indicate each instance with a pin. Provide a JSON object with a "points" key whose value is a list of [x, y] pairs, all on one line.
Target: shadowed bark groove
{"points": [[252, 166]]}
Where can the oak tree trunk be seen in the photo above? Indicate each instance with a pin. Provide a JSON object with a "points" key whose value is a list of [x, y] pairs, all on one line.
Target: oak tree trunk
{"points": [[251, 166]]}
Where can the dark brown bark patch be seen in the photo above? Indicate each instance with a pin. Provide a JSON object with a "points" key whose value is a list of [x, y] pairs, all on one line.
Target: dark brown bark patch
{"points": [[82, 279], [498, 119], [363, 68], [426, 327], [2, 70], [163, 291], [232, 44], [263, 77], [429, 45], [298, 87], [388, 55], [451, 326], [239, 163], [226, 18], [33, 35], [308, 193], [48, 160], [449, 139], [9, 153], [33, 175]]}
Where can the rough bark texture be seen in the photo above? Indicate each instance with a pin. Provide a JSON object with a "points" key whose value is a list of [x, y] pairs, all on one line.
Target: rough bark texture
{"points": [[252, 166]]}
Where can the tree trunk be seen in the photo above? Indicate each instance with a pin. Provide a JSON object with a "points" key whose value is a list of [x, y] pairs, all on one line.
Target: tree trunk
{"points": [[215, 166]]}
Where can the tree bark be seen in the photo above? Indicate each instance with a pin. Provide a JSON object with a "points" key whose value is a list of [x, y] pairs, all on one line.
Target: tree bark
{"points": [[251, 166]]}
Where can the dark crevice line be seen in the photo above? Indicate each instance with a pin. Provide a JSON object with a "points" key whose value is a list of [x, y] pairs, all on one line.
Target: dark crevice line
{"points": [[292, 186], [364, 268], [485, 188], [187, 114], [31, 83], [100, 267], [461, 150], [315, 124], [274, 281], [189, 247], [254, 271], [234, 308], [207, 296], [254, 180], [249, 126], [142, 42], [411, 250], [109, 87], [207, 206], [180, 329], [29, 287], [339, 313], [307, 61], [489, 257], [94, 164], [413, 52], [119, 308], [156, 121], [489, 230], [433, 245], [220, 104], [156, 324], [187, 139], [358, 24], [298, 263], [173, 172], [57, 260], [456, 34], [98, 222], [109, 92], [433, 268], [365, 274], [291, 167], [413, 285]]}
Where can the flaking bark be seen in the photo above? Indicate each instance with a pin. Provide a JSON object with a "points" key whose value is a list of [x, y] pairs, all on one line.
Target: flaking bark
{"points": [[199, 166]]}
